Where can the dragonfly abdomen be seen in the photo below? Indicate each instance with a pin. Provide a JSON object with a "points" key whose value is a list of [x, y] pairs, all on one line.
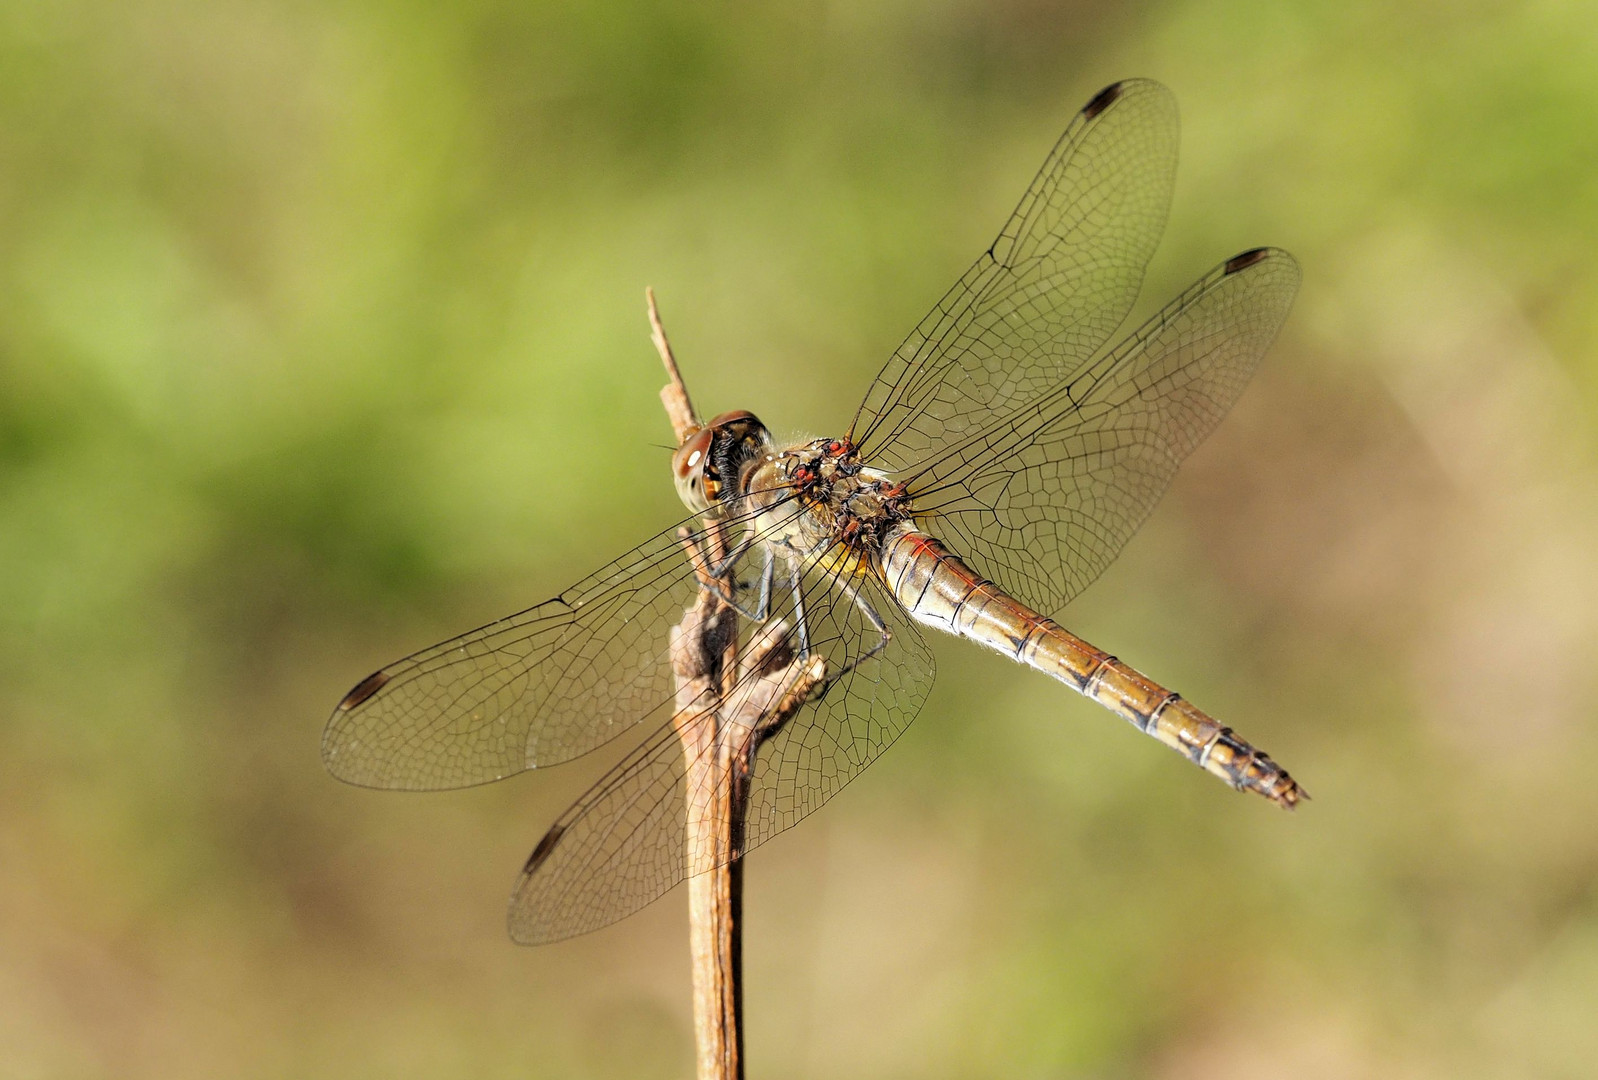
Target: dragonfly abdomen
{"points": [[938, 589]]}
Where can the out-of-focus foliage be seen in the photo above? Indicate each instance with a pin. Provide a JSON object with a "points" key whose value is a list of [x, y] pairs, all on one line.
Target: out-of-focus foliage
{"points": [[321, 338]]}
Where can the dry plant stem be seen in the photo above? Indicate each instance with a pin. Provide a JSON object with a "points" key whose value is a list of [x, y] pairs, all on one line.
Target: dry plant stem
{"points": [[723, 713], [674, 395], [705, 631], [721, 730], [727, 704]]}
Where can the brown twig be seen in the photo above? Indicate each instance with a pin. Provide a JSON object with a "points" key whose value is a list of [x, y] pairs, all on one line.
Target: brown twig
{"points": [[674, 395], [727, 705]]}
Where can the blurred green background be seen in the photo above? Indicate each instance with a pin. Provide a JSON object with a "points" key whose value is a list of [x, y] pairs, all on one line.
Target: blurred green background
{"points": [[322, 338]]}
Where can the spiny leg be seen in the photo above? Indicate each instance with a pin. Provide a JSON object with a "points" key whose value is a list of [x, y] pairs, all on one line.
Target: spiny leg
{"points": [[762, 607], [877, 623], [871, 615], [801, 627], [853, 592], [721, 571]]}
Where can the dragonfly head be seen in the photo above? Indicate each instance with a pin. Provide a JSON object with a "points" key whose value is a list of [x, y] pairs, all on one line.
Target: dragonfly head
{"points": [[711, 461]]}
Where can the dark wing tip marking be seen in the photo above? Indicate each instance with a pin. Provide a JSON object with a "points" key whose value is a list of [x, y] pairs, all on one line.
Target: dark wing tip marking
{"points": [[363, 690], [545, 846], [1103, 100], [1246, 259]]}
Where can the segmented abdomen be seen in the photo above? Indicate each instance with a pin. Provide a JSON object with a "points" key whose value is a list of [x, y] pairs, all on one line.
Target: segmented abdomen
{"points": [[940, 590]]}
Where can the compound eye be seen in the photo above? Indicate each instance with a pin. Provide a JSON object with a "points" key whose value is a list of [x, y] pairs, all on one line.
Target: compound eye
{"points": [[727, 419], [689, 462], [689, 469]]}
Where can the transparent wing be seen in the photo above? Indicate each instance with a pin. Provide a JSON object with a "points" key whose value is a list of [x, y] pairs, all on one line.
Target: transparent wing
{"points": [[1040, 302], [624, 843], [1042, 498], [536, 688]]}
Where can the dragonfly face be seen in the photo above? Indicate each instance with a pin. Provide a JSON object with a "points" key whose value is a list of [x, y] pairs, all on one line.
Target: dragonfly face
{"points": [[711, 462], [1003, 456]]}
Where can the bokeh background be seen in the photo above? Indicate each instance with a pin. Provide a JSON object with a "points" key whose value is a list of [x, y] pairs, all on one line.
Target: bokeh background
{"points": [[322, 338]]}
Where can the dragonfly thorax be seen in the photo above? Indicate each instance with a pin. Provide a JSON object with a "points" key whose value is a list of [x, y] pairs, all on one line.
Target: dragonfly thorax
{"points": [[844, 502]]}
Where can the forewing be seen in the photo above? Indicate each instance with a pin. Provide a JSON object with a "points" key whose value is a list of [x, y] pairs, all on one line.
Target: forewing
{"points": [[1043, 499], [624, 843], [532, 689], [1040, 302]]}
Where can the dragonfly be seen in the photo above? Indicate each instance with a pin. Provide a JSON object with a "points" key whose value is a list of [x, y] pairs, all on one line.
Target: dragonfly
{"points": [[1002, 458]]}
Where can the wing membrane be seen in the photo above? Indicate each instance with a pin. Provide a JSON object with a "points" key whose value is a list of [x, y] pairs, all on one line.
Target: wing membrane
{"points": [[1043, 498], [1040, 302], [536, 688], [624, 843]]}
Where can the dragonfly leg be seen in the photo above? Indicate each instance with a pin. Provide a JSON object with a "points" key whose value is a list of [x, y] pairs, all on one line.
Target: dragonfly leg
{"points": [[723, 571], [877, 623], [763, 604], [733, 557], [800, 626]]}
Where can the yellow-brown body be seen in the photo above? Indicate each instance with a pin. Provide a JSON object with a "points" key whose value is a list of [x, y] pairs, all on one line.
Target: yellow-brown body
{"points": [[940, 590], [816, 504]]}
